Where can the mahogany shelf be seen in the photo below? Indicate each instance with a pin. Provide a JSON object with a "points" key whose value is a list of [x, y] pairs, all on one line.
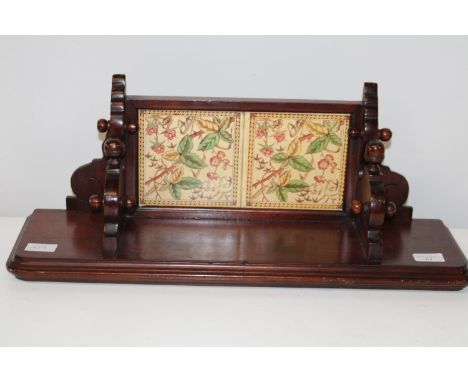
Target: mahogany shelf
{"points": [[236, 252]]}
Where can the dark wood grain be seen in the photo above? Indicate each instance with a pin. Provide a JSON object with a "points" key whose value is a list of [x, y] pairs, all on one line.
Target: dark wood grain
{"points": [[105, 236], [313, 253]]}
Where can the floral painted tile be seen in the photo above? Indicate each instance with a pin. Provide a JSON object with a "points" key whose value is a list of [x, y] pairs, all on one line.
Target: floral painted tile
{"points": [[189, 158], [296, 161], [248, 160]]}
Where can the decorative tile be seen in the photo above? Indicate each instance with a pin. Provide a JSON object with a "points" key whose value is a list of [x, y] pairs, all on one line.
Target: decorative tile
{"points": [[296, 161], [233, 159], [189, 158]]}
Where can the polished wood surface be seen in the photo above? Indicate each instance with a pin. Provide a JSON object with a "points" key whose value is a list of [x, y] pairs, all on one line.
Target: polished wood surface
{"points": [[313, 253], [105, 236], [368, 197]]}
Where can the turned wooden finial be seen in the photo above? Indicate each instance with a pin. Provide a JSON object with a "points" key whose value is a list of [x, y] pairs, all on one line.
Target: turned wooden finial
{"points": [[385, 134], [102, 125], [95, 202], [356, 207]]}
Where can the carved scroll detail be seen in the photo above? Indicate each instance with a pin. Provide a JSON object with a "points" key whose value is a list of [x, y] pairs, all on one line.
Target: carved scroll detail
{"points": [[87, 183]]}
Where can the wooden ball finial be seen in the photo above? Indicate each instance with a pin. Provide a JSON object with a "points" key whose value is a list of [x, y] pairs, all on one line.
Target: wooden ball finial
{"points": [[113, 148], [374, 152], [385, 134], [390, 209], [130, 203], [356, 207], [95, 202], [354, 133], [131, 128], [102, 125]]}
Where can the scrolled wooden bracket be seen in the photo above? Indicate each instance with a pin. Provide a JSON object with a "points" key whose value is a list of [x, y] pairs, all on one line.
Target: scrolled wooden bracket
{"points": [[99, 186], [87, 183]]}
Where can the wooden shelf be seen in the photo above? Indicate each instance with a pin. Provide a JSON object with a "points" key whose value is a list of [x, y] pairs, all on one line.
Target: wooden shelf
{"points": [[269, 253]]}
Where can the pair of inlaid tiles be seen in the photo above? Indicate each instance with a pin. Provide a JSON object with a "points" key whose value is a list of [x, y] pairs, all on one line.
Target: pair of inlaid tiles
{"points": [[238, 159]]}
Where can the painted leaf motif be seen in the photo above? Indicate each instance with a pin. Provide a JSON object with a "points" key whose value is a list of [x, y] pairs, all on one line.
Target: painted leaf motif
{"points": [[224, 124], [284, 177], [174, 190], [225, 136], [300, 163], [317, 128], [280, 158], [209, 142], [294, 147], [335, 139], [318, 145], [282, 194], [193, 161], [332, 125], [177, 174], [189, 183], [185, 145], [296, 185], [207, 126], [171, 155]]}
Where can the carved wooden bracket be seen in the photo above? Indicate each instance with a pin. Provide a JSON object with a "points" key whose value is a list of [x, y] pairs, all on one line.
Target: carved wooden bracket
{"points": [[381, 193]]}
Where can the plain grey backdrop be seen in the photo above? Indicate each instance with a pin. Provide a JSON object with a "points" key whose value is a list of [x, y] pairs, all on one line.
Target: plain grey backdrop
{"points": [[53, 90]]}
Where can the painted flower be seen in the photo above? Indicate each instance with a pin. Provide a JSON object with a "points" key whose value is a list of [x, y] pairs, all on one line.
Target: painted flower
{"points": [[158, 149], [221, 154], [319, 179], [212, 175], [150, 131], [280, 137], [170, 134], [266, 151], [262, 133], [215, 161], [329, 157], [323, 164]]}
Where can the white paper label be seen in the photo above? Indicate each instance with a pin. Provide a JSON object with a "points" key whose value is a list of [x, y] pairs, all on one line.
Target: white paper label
{"points": [[41, 247], [429, 257]]}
